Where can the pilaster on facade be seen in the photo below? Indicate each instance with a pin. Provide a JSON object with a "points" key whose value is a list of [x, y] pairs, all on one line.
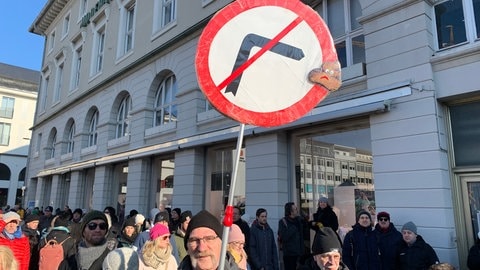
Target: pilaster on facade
{"points": [[140, 192]]}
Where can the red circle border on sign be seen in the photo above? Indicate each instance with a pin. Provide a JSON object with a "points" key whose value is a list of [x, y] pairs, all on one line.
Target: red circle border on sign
{"points": [[265, 119]]}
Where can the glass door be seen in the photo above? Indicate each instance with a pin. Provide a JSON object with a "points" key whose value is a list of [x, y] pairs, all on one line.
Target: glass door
{"points": [[471, 201]]}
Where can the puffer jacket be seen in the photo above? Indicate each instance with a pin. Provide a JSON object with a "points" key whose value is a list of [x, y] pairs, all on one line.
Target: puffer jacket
{"points": [[387, 242], [263, 250], [19, 246]]}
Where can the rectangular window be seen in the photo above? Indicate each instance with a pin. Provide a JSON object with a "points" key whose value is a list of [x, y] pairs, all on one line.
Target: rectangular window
{"points": [[465, 126], [129, 28], [457, 22], [66, 25], [168, 12], [51, 41], [100, 51], [77, 66], [58, 83], [44, 93], [4, 133], [6, 109]]}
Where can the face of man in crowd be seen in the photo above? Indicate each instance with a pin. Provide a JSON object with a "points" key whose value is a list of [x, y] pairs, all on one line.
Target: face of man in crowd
{"points": [[204, 248], [11, 226], [76, 216], [94, 232], [384, 222], [328, 261], [33, 224], [236, 214], [409, 237], [262, 218], [47, 212], [175, 216], [364, 221]]}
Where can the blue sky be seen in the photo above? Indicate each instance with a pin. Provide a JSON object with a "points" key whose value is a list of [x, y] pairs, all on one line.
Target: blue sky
{"points": [[20, 47]]}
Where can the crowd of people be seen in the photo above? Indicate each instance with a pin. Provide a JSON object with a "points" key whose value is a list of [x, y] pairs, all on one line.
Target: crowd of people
{"points": [[174, 239]]}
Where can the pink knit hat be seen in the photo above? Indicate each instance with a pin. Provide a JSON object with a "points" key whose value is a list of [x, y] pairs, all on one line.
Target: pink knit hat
{"points": [[235, 234], [158, 230]]}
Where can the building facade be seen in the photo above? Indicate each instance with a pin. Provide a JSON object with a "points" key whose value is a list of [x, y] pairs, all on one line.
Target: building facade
{"points": [[18, 94], [121, 121]]}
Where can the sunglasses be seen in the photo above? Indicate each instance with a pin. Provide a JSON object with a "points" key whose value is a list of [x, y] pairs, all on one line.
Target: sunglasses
{"points": [[92, 226], [383, 219]]}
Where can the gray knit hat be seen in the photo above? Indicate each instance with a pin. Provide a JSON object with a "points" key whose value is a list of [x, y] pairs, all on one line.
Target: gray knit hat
{"points": [[410, 226]]}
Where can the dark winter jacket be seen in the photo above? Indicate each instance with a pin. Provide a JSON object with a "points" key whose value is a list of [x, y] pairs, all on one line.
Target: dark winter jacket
{"points": [[33, 237], [326, 217], [360, 249], [473, 260], [419, 256], [263, 250], [387, 242], [230, 264], [290, 232], [310, 264], [246, 231]]}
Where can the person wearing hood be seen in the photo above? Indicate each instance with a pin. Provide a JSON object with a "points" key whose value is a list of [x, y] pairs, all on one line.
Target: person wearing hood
{"points": [[324, 217], [360, 247], [413, 253], [128, 234], [388, 239], [263, 249], [30, 229], [326, 251], [11, 236]]}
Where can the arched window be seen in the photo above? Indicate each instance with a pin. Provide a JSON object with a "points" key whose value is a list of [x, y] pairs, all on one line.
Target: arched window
{"points": [[21, 175], [51, 144], [123, 118], [92, 129], [70, 139], [165, 107], [4, 172]]}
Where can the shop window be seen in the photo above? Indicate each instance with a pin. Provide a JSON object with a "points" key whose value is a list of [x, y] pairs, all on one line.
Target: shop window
{"points": [[465, 126], [220, 169], [342, 183]]}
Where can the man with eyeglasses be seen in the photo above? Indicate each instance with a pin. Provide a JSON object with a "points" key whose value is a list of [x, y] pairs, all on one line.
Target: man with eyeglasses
{"points": [[11, 236], [203, 241], [326, 251], [388, 238], [94, 246]]}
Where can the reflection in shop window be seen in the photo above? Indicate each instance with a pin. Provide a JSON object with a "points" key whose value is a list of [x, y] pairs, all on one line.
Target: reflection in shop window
{"points": [[341, 172]]}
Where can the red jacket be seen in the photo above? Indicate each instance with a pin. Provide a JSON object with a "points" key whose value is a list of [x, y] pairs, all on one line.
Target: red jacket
{"points": [[19, 246]]}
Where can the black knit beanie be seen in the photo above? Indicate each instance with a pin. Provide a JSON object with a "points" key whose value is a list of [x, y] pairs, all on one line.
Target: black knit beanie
{"points": [[326, 240], [363, 212], [203, 219], [94, 214], [32, 217]]}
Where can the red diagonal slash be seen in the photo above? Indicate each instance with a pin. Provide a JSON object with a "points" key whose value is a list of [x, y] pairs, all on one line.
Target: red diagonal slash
{"points": [[265, 48]]}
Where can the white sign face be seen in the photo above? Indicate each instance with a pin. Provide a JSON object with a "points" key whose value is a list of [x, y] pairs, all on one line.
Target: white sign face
{"points": [[276, 80], [253, 60]]}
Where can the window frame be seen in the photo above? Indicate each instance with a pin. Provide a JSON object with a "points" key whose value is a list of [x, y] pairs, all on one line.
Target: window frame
{"points": [[7, 108], [5, 138], [92, 130], [71, 139], [122, 128], [165, 99]]}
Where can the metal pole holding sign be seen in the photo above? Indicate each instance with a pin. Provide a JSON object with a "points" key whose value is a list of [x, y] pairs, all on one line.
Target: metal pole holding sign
{"points": [[228, 216]]}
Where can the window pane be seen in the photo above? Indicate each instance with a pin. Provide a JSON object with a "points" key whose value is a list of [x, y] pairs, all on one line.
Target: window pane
{"points": [[476, 12], [358, 47], [355, 12], [465, 133], [450, 23], [342, 53], [336, 18]]}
